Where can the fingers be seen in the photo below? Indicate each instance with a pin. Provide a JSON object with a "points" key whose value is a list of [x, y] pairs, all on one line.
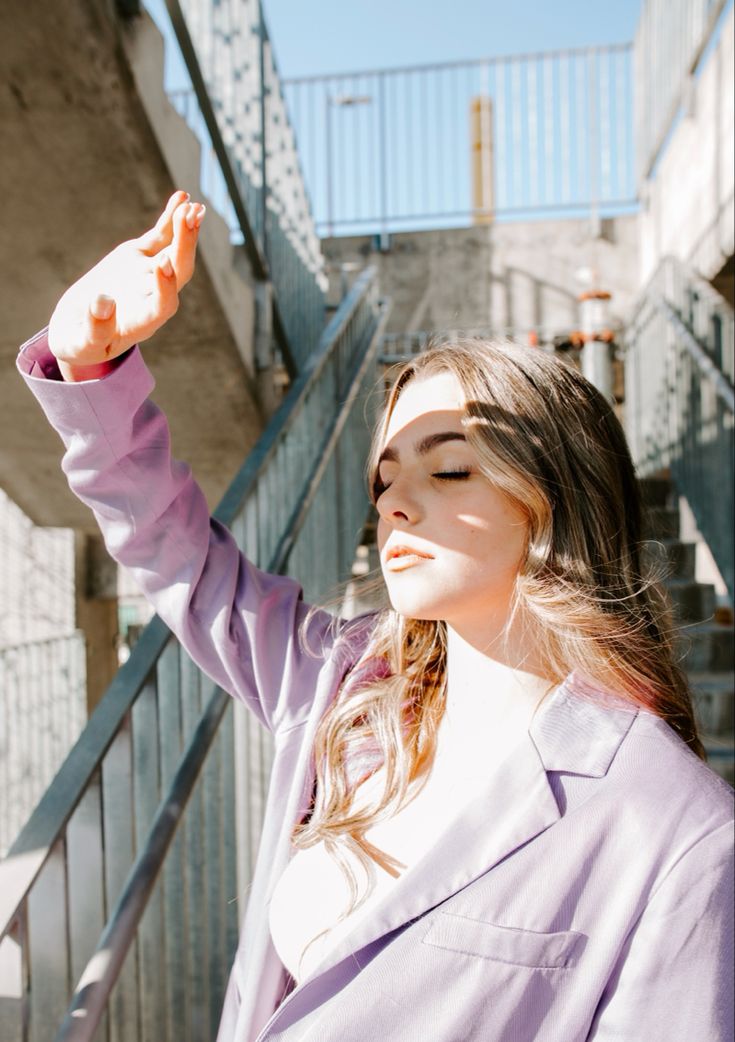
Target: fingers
{"points": [[186, 223], [161, 233], [167, 287]]}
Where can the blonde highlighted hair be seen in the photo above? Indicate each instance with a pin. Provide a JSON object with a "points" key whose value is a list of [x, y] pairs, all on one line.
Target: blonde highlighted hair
{"points": [[551, 442]]}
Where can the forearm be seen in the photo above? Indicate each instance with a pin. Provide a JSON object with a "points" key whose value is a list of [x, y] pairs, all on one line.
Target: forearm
{"points": [[238, 623]]}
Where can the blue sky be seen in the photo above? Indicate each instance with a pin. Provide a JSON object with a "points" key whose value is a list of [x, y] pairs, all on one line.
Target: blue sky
{"points": [[347, 36], [342, 35]]}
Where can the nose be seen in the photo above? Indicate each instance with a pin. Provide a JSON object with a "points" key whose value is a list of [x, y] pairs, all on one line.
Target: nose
{"points": [[399, 503]]}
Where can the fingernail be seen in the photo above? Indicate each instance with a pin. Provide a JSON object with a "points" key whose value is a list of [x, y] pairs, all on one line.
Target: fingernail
{"points": [[102, 307], [166, 267], [200, 215], [191, 214]]}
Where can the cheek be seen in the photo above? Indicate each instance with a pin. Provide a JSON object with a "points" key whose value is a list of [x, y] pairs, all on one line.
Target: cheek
{"points": [[494, 546], [381, 534]]}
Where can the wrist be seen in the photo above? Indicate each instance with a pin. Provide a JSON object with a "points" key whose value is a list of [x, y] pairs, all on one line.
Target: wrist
{"points": [[73, 373]]}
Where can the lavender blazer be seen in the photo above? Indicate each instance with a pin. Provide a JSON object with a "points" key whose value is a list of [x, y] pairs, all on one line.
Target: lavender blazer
{"points": [[586, 892]]}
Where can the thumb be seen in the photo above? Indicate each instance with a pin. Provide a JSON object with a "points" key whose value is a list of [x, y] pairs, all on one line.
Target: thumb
{"points": [[102, 308]]}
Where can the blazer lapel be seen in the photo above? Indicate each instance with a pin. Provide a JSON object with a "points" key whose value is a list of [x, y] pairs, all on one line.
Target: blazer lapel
{"points": [[571, 733]]}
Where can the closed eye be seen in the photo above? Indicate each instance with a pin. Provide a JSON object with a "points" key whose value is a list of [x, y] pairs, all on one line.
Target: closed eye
{"points": [[379, 487], [452, 475]]}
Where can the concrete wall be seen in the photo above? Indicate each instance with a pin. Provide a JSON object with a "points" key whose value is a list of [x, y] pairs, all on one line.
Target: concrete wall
{"points": [[506, 276], [688, 202], [81, 169]]}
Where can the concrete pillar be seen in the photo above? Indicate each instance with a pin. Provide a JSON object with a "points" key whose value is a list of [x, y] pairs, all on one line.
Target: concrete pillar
{"points": [[95, 607]]}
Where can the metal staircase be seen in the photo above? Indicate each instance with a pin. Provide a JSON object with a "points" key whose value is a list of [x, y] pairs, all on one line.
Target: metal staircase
{"points": [[679, 417], [119, 901]]}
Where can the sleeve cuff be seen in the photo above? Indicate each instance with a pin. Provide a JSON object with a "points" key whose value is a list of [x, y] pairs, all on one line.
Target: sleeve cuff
{"points": [[68, 405]]}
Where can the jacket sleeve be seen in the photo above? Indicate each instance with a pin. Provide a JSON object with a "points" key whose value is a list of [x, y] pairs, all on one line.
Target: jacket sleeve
{"points": [[238, 623], [674, 977]]}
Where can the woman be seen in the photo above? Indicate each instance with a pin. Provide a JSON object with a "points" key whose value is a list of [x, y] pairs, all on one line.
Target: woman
{"points": [[488, 818]]}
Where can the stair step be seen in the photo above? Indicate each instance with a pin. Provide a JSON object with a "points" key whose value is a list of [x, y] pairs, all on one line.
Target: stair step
{"points": [[713, 695], [677, 560], [707, 647], [661, 522], [691, 601]]}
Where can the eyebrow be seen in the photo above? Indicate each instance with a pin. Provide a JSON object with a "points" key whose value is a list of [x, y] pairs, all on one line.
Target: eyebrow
{"points": [[425, 445]]}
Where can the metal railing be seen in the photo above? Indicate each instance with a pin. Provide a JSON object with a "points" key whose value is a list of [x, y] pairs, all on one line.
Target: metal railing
{"points": [[233, 101], [670, 42], [401, 347], [447, 144], [43, 708], [680, 401], [123, 890]]}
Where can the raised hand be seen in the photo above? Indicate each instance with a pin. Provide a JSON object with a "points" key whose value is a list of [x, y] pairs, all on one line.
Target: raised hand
{"points": [[128, 295]]}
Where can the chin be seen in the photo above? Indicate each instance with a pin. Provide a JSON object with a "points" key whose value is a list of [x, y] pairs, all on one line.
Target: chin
{"points": [[416, 608]]}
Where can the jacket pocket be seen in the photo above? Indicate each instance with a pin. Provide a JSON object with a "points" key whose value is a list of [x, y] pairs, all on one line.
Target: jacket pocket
{"points": [[458, 933]]}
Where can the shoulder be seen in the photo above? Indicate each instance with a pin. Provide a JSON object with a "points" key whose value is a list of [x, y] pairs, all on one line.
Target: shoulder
{"points": [[673, 774], [669, 806], [632, 778]]}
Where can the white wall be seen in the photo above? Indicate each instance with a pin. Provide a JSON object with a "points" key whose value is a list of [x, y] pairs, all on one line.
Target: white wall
{"points": [[688, 203]]}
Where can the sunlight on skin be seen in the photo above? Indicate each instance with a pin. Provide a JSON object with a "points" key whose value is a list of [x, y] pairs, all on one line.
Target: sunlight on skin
{"points": [[438, 503]]}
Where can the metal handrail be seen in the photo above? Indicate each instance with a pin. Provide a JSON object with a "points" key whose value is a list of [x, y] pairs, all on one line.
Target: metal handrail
{"points": [[349, 346], [461, 63], [101, 972], [276, 248], [704, 363]]}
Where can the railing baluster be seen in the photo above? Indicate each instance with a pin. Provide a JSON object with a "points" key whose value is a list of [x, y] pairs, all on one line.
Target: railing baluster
{"points": [[213, 883], [118, 818], [13, 974], [174, 898], [147, 793], [48, 946], [197, 982], [85, 866]]}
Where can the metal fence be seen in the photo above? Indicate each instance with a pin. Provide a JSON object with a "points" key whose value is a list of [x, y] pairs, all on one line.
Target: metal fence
{"points": [[251, 170], [680, 401], [127, 875], [43, 708], [444, 145], [671, 40]]}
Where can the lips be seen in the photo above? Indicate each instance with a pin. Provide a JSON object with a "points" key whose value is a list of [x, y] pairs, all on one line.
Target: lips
{"points": [[406, 551]]}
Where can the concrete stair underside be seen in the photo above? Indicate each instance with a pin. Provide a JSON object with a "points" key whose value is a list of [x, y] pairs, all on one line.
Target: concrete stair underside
{"points": [[81, 170]]}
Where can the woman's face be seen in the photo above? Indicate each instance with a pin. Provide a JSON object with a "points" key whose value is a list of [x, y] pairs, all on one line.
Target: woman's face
{"points": [[469, 538]]}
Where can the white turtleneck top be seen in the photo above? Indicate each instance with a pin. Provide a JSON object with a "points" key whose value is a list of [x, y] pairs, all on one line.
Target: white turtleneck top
{"points": [[313, 891]]}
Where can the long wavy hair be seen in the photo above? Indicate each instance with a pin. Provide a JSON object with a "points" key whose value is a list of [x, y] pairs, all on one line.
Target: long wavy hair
{"points": [[551, 442]]}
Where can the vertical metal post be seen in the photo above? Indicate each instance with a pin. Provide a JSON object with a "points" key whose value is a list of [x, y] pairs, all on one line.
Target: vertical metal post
{"points": [[328, 138], [593, 146], [263, 136], [383, 160]]}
